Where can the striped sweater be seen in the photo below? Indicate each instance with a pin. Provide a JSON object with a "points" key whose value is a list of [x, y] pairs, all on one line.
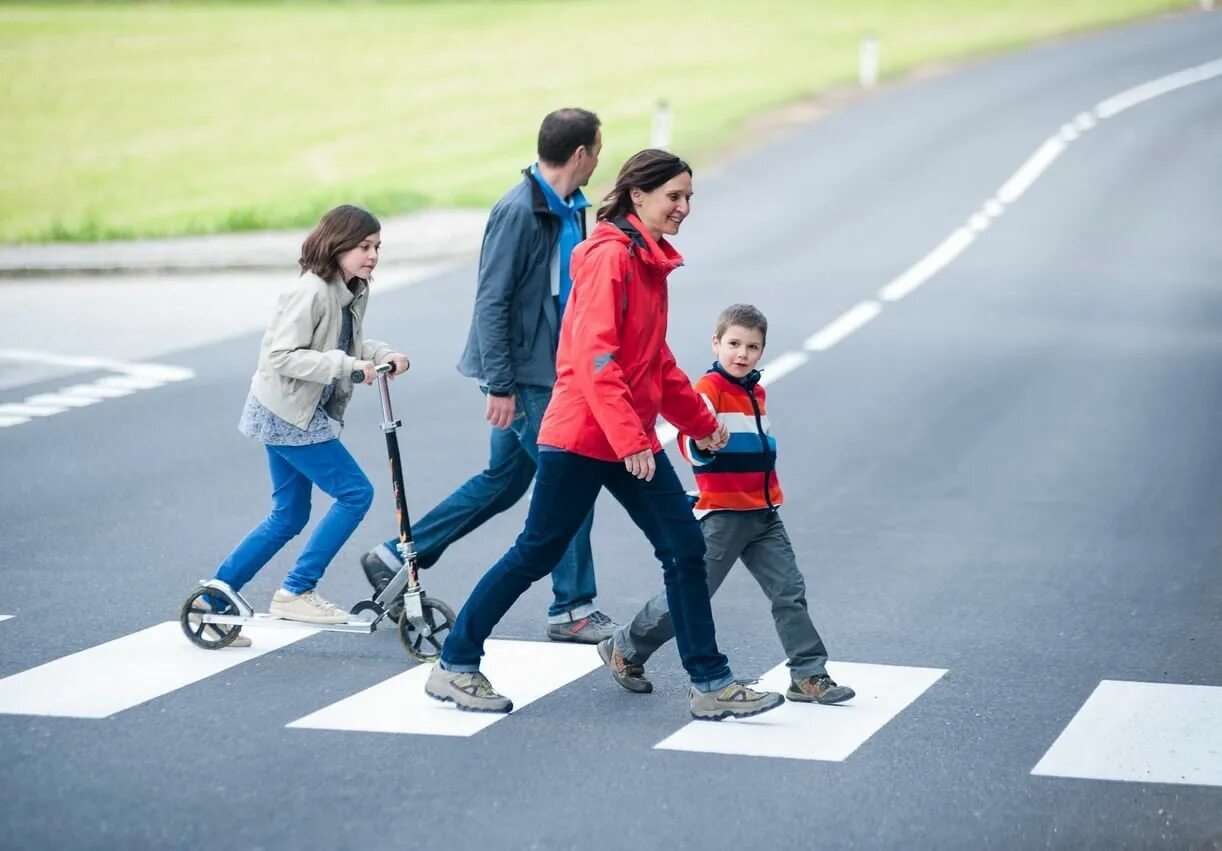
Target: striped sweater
{"points": [[742, 475]]}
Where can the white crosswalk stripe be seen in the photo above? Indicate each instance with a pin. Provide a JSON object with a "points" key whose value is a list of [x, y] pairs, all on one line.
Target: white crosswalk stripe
{"points": [[523, 670], [805, 731], [1142, 732], [5, 617], [111, 677]]}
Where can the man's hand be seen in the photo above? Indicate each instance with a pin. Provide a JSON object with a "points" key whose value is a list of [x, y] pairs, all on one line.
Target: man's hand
{"points": [[641, 465], [500, 410], [717, 440], [402, 364]]}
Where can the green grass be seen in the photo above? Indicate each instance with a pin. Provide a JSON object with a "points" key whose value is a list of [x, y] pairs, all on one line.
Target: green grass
{"points": [[145, 119]]}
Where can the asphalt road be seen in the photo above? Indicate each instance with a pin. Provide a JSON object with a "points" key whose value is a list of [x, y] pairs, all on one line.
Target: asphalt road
{"points": [[1012, 476]]}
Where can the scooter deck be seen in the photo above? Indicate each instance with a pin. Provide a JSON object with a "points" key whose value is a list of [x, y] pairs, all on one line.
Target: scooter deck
{"points": [[262, 621]]}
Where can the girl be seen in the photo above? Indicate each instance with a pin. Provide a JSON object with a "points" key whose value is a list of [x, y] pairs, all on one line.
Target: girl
{"points": [[614, 375], [302, 384]]}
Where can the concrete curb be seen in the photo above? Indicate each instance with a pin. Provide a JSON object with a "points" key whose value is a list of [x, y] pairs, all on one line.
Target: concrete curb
{"points": [[407, 240]]}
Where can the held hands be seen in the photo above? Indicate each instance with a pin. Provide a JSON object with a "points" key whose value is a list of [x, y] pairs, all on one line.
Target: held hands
{"points": [[641, 465], [500, 410], [715, 441]]}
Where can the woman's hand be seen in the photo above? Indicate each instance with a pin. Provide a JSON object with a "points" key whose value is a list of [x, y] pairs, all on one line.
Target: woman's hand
{"points": [[366, 367], [402, 364], [641, 465], [717, 440]]}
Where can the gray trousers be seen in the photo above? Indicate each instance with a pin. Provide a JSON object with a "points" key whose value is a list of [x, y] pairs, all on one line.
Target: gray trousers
{"points": [[760, 540]]}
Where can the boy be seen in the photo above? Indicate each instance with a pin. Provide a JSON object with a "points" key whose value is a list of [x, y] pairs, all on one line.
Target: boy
{"points": [[739, 498]]}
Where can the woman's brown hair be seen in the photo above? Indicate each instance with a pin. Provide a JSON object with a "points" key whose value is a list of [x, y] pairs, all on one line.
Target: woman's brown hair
{"points": [[340, 230], [646, 170]]}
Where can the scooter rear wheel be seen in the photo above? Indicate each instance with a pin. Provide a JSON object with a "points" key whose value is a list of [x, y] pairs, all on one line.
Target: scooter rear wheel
{"points": [[210, 636], [423, 638]]}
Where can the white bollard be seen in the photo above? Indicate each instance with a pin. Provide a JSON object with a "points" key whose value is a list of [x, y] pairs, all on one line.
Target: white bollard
{"points": [[660, 135], [1207, 5], [867, 62]]}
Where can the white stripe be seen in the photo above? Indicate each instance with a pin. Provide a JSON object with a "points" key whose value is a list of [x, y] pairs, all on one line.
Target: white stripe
{"points": [[523, 671], [5, 421], [928, 266], [134, 669], [60, 400], [1147, 91], [1030, 171], [131, 382], [738, 423], [83, 362], [161, 371], [842, 326], [810, 731], [5, 617], [30, 410], [96, 392], [779, 367], [1142, 732]]}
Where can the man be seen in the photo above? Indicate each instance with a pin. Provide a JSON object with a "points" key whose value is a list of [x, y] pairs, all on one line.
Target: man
{"points": [[520, 298]]}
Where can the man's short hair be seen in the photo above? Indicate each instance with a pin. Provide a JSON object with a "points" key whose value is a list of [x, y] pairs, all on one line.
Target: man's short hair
{"points": [[745, 316], [563, 132]]}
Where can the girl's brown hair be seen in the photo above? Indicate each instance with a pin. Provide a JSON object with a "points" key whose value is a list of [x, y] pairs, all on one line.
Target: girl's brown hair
{"points": [[340, 230], [646, 170]]}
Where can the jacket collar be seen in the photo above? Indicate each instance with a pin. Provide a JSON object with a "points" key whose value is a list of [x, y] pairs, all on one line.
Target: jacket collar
{"points": [[660, 253], [748, 381]]}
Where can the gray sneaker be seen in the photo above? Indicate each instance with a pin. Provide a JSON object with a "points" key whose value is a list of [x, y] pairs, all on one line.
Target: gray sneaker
{"points": [[734, 701], [591, 629], [468, 691], [822, 689], [628, 675]]}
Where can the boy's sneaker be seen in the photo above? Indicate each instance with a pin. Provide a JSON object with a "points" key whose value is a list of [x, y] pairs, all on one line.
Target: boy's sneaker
{"points": [[306, 606], [591, 629], [468, 691], [822, 689], [630, 676], [212, 631], [734, 701], [377, 572]]}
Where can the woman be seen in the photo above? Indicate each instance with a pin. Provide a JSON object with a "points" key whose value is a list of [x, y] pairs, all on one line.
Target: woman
{"points": [[614, 375]]}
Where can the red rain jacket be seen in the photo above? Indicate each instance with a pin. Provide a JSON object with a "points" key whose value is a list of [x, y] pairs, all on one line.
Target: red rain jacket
{"points": [[614, 371]]}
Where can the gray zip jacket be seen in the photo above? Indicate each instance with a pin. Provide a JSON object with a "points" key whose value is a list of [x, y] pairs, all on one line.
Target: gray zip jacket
{"points": [[298, 357]]}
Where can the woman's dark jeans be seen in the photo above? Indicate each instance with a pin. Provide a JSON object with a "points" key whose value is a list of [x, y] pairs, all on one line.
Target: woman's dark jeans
{"points": [[565, 489]]}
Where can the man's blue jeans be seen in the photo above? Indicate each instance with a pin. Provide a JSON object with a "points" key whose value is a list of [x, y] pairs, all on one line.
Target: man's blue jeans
{"points": [[565, 489], [512, 458], [295, 470]]}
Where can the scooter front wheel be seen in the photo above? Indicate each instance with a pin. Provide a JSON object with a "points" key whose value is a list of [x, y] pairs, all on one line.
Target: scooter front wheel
{"points": [[210, 636], [422, 637]]}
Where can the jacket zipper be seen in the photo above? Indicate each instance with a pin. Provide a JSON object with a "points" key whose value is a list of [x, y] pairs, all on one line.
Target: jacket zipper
{"points": [[759, 429]]}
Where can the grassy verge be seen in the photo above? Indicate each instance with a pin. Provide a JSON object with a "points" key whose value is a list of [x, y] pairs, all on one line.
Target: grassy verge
{"points": [[169, 118]]}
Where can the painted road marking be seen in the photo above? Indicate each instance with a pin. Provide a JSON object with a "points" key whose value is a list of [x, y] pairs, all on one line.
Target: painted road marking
{"points": [[5, 617], [805, 731], [1144, 733], [111, 677], [132, 377], [842, 326], [524, 671]]}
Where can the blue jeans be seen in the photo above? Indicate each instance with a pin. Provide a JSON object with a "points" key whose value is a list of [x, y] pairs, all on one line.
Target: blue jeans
{"points": [[565, 489], [295, 470], [513, 454]]}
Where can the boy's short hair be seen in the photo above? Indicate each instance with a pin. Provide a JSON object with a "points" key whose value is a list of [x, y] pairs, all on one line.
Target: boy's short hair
{"points": [[745, 316]]}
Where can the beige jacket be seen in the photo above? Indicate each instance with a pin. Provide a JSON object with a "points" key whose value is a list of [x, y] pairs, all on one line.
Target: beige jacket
{"points": [[298, 357]]}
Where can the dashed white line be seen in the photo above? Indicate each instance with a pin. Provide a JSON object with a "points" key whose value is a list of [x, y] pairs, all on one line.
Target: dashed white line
{"points": [[22, 410], [1030, 171], [1130, 98], [842, 326], [929, 265]]}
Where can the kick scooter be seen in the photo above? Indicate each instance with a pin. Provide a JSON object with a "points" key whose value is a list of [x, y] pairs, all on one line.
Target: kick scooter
{"points": [[213, 614]]}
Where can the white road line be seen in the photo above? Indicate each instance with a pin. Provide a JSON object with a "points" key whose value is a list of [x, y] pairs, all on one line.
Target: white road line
{"points": [[1130, 98], [5, 617], [1031, 170], [807, 731], [93, 390], [18, 410], [60, 400], [929, 265], [1144, 733], [780, 366], [134, 669], [842, 326], [131, 382], [6, 421], [522, 670]]}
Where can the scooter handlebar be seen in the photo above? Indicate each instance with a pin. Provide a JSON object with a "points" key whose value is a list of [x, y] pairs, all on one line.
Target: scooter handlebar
{"points": [[358, 376]]}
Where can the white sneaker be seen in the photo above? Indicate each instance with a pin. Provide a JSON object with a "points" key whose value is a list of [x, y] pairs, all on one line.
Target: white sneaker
{"points": [[306, 606]]}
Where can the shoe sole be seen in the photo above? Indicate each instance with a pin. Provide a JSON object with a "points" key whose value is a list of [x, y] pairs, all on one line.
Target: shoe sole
{"points": [[445, 698], [802, 698], [574, 639], [730, 713], [303, 619], [632, 684]]}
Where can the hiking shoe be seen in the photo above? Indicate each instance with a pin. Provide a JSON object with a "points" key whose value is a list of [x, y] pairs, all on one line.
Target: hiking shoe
{"points": [[822, 689], [376, 571], [734, 701], [306, 606], [470, 692], [212, 631], [591, 629], [630, 676]]}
